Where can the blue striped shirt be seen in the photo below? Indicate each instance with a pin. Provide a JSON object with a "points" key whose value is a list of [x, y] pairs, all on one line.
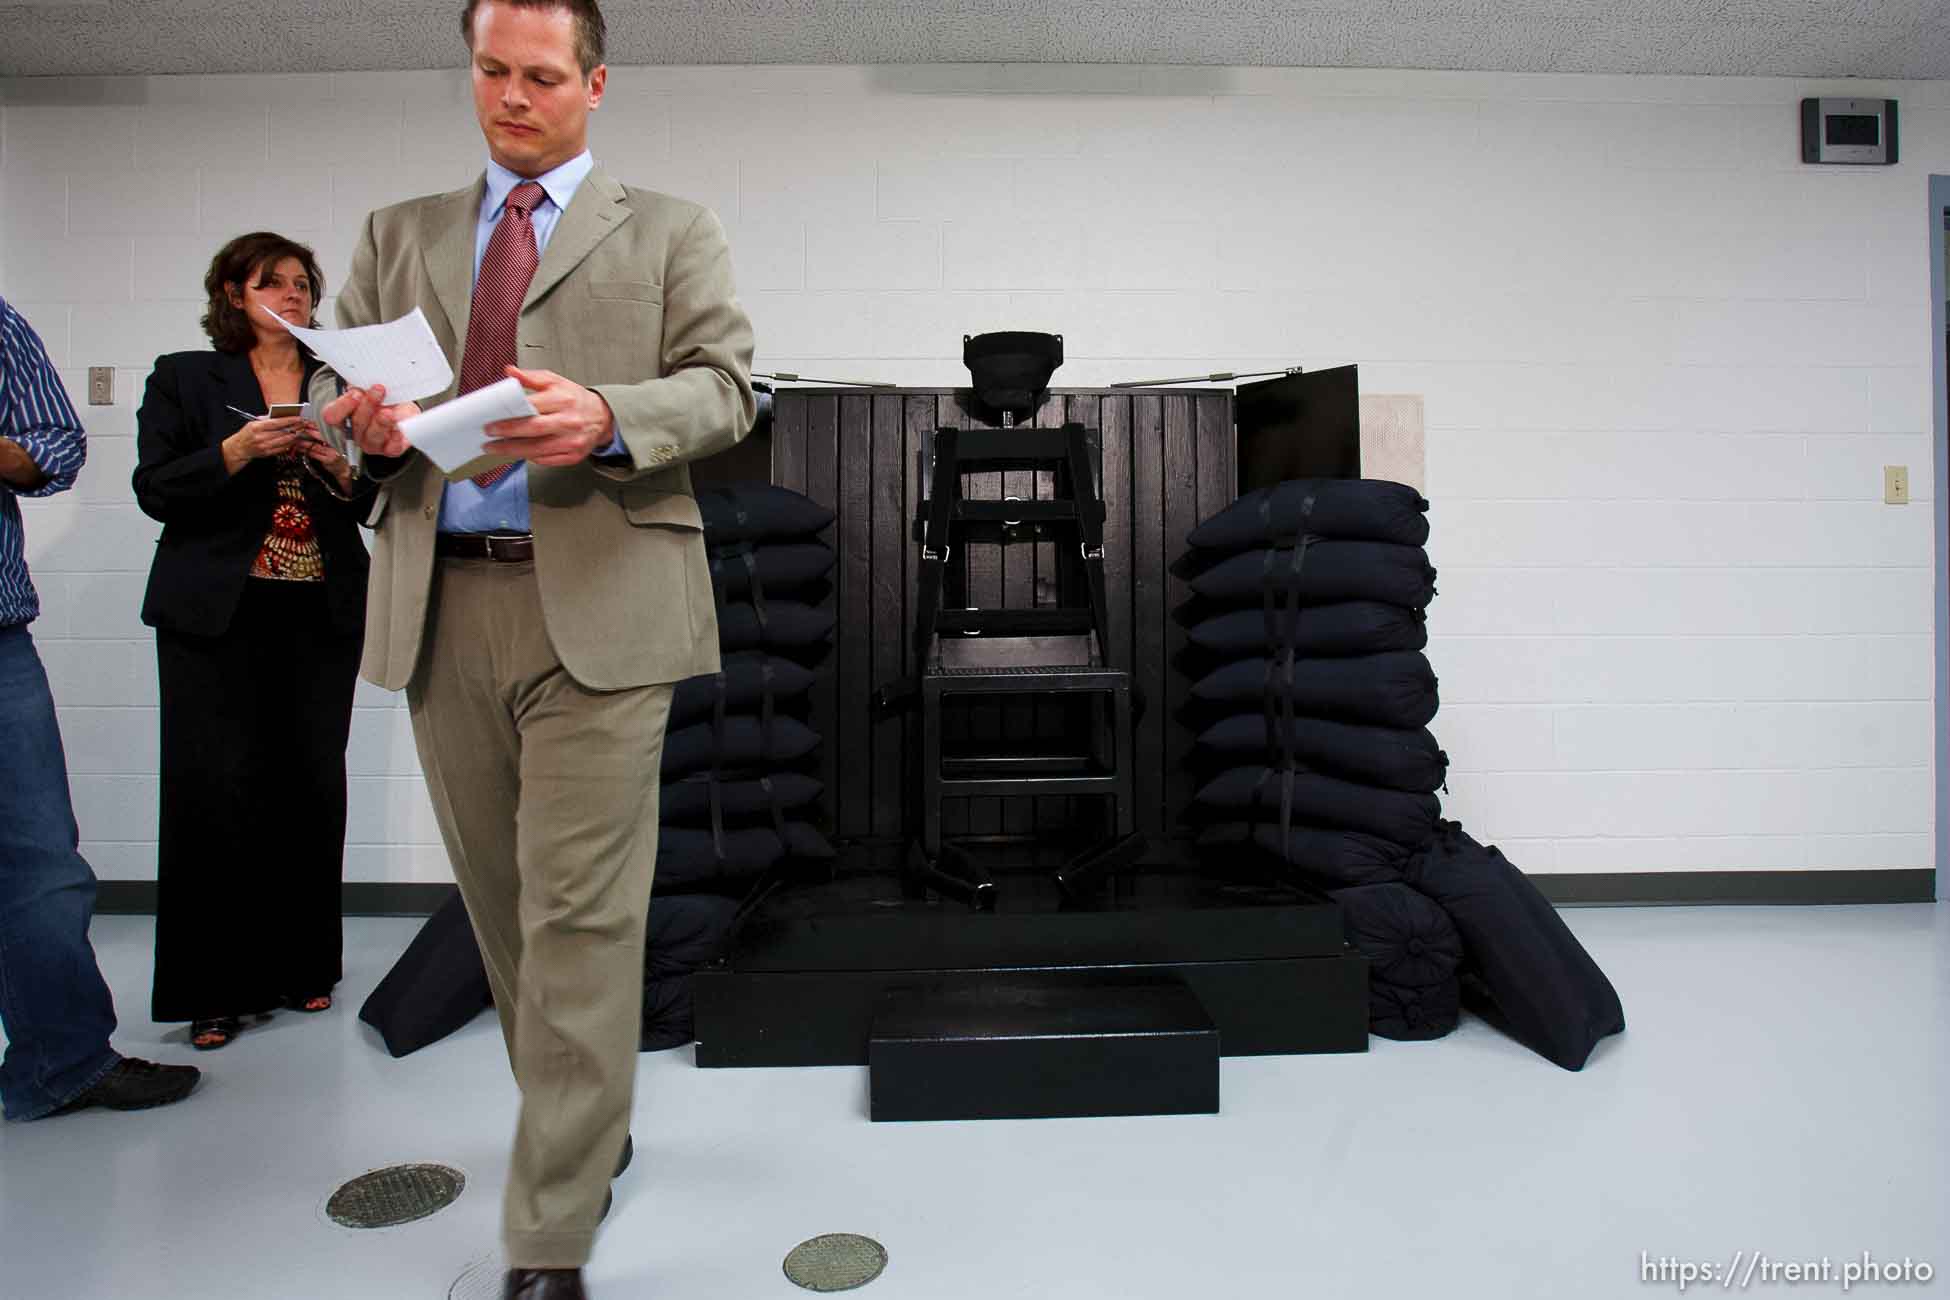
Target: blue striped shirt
{"points": [[35, 414]]}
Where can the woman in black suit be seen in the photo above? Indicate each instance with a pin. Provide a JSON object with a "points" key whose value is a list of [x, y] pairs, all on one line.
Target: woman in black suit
{"points": [[258, 598]]}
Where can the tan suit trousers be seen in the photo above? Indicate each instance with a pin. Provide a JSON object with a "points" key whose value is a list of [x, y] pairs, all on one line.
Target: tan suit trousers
{"points": [[546, 794]]}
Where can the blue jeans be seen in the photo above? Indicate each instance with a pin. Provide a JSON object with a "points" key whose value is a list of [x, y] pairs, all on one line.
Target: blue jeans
{"points": [[54, 1005]]}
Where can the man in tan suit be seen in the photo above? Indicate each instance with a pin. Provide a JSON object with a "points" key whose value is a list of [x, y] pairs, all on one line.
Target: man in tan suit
{"points": [[538, 619]]}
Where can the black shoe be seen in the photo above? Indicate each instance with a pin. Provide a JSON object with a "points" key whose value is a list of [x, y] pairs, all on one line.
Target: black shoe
{"points": [[136, 1085], [544, 1284], [629, 1153]]}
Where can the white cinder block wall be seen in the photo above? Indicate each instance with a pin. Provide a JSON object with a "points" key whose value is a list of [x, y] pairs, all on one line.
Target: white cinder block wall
{"points": [[1663, 363]]}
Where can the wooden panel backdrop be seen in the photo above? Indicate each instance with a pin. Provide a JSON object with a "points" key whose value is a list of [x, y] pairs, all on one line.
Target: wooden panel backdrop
{"points": [[1167, 462]]}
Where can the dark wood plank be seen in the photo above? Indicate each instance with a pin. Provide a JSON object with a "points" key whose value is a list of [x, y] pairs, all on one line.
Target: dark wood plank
{"points": [[789, 410], [1114, 414], [1022, 718], [1148, 606], [920, 415], [1216, 485], [853, 464], [975, 580], [822, 485], [1060, 571], [881, 463], [1180, 517]]}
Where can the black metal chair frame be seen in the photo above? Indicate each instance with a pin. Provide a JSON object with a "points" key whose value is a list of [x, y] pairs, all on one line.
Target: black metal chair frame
{"points": [[1039, 651]]}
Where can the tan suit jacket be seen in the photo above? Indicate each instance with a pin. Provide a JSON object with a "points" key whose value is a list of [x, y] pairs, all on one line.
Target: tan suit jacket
{"points": [[633, 298]]}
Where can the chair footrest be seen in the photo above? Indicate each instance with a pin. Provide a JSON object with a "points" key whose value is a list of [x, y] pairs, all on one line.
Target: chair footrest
{"points": [[995, 786], [1059, 621], [1027, 681], [974, 767]]}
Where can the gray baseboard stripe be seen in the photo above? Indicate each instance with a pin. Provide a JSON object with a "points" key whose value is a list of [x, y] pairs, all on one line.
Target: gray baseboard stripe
{"points": [[1693, 888], [138, 898], [1601, 889]]}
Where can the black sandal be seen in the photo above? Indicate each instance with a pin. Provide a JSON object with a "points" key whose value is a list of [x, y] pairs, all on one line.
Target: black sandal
{"points": [[209, 1035], [304, 1004]]}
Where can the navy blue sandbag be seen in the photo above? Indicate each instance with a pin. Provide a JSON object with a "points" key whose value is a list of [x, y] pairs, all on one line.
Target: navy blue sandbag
{"points": [[688, 802], [749, 675], [1392, 757], [1406, 936], [1413, 1013], [1394, 815], [1389, 690], [686, 931], [1411, 948], [781, 567], [1319, 855], [746, 743], [438, 984], [749, 512], [1354, 627], [1541, 984], [689, 861], [786, 624], [1357, 509], [1327, 572]]}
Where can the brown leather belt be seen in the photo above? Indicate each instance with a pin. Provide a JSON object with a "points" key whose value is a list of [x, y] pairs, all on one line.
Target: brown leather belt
{"points": [[509, 548]]}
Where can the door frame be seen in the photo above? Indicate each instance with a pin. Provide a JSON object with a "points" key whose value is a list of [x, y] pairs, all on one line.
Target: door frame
{"points": [[1940, 469]]}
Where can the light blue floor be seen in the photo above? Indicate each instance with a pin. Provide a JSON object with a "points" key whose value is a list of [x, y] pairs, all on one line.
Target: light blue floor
{"points": [[1781, 1090]]}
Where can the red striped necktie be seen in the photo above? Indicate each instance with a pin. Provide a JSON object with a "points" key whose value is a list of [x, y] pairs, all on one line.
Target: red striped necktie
{"points": [[502, 282]]}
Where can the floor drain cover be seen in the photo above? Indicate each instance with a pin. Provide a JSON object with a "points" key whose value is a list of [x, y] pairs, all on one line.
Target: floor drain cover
{"points": [[386, 1198], [838, 1261], [482, 1280]]}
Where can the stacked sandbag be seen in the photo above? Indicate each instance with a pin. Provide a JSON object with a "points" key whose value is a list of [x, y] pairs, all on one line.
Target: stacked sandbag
{"points": [[1413, 953], [736, 801], [439, 983], [685, 932], [1523, 970], [1312, 700], [1312, 695]]}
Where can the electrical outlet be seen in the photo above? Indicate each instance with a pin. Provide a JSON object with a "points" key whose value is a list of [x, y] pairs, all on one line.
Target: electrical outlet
{"points": [[101, 385], [1895, 485]]}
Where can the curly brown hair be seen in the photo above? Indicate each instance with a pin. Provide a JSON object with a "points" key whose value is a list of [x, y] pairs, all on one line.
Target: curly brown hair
{"points": [[238, 262], [592, 34]]}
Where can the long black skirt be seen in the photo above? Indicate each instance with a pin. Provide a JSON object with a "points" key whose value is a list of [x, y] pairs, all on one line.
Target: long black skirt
{"points": [[251, 841]]}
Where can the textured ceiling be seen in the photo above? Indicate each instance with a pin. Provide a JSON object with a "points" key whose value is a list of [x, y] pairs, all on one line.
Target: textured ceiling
{"points": [[1809, 38]]}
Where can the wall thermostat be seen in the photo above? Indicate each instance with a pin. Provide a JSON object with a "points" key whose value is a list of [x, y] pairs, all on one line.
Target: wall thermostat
{"points": [[1848, 131]]}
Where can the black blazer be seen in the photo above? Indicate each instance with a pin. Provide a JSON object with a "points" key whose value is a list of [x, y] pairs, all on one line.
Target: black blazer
{"points": [[214, 522]]}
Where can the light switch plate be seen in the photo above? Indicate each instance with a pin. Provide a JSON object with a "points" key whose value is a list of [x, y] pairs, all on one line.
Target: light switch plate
{"points": [[101, 385], [1895, 485]]}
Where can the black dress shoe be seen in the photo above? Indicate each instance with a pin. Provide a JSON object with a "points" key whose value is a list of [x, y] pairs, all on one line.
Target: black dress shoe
{"points": [[136, 1085], [629, 1152], [544, 1284]]}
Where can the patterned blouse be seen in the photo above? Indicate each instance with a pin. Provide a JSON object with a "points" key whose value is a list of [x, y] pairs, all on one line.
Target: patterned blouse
{"points": [[290, 552]]}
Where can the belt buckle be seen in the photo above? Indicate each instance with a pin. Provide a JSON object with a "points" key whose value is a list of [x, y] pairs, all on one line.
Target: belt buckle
{"points": [[508, 549]]}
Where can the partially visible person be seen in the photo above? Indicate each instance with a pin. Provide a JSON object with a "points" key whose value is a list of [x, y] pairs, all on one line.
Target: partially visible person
{"points": [[257, 595], [54, 1005]]}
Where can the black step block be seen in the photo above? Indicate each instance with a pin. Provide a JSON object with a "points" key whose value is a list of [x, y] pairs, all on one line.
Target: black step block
{"points": [[1042, 1045]]}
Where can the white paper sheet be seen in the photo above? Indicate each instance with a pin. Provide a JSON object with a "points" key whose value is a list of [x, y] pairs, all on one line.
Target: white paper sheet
{"points": [[451, 434], [401, 354]]}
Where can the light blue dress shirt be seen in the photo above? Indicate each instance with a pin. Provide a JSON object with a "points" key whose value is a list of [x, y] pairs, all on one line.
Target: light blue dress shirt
{"points": [[465, 508]]}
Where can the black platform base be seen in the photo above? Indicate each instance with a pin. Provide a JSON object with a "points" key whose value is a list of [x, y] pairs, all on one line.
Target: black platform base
{"points": [[803, 981], [1042, 1045]]}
